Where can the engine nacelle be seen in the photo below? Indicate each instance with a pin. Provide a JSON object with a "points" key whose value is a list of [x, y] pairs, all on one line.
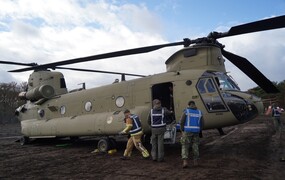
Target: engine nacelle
{"points": [[44, 91]]}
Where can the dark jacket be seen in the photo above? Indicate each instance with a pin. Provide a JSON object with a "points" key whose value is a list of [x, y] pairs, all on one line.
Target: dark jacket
{"points": [[167, 114]]}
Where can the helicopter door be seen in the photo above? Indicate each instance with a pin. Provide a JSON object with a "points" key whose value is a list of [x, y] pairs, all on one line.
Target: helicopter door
{"points": [[210, 95], [164, 92]]}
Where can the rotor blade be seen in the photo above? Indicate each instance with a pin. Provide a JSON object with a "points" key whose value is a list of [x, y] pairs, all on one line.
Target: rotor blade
{"points": [[98, 71], [105, 56], [262, 25], [251, 71], [17, 63]]}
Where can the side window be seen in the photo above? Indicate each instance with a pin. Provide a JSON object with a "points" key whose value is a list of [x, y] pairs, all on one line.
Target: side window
{"points": [[210, 95], [201, 87], [210, 86]]}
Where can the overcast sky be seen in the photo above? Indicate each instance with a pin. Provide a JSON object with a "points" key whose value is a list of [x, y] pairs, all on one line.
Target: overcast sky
{"points": [[45, 31]]}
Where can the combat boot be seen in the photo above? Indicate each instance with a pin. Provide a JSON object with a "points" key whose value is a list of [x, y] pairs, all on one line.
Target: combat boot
{"points": [[195, 162], [185, 163]]}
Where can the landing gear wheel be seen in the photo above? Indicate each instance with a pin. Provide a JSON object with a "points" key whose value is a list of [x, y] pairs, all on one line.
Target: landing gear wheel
{"points": [[24, 140], [103, 145]]}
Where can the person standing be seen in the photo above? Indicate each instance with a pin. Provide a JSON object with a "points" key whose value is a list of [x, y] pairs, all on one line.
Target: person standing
{"points": [[191, 125], [157, 119], [134, 128], [276, 118], [278, 128]]}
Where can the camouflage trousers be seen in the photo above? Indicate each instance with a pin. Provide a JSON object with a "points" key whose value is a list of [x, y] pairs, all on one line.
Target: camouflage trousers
{"points": [[277, 124], [188, 139]]}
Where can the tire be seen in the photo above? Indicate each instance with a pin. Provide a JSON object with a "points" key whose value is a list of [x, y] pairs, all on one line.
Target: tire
{"points": [[24, 140], [103, 145]]}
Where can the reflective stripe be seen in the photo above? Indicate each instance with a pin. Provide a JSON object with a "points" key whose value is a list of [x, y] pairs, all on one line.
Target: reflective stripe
{"points": [[195, 127], [192, 123], [136, 124], [159, 121], [193, 115], [276, 113]]}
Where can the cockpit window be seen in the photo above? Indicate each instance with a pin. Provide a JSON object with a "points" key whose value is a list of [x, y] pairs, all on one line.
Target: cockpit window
{"points": [[226, 82], [201, 87], [210, 86], [210, 96], [206, 86]]}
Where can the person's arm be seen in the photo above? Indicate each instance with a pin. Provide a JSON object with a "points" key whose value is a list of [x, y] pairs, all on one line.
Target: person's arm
{"points": [[168, 116], [149, 119], [202, 123], [129, 125], [201, 126], [167, 112], [182, 122]]}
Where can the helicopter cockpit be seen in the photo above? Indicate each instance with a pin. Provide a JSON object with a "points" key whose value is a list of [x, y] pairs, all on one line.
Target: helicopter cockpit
{"points": [[226, 82], [220, 93]]}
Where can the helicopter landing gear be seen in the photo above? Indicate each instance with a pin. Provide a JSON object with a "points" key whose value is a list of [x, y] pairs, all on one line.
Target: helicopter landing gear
{"points": [[106, 144], [24, 140], [103, 145]]}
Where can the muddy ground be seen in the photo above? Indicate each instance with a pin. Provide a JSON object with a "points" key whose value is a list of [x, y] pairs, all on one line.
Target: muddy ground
{"points": [[248, 151]]}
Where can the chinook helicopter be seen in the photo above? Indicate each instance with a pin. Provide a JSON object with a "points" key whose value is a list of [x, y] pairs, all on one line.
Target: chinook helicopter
{"points": [[196, 72]]}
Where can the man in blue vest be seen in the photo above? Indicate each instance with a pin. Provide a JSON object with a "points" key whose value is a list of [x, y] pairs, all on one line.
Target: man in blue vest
{"points": [[134, 128], [276, 113], [191, 125], [157, 119], [278, 128]]}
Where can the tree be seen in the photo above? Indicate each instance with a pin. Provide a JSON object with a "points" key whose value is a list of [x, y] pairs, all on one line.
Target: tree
{"points": [[9, 100], [267, 98]]}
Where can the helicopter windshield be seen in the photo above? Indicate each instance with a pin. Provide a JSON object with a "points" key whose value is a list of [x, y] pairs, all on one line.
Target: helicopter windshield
{"points": [[226, 82]]}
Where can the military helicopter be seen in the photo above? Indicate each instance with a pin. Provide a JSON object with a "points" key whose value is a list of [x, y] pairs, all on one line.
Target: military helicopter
{"points": [[195, 72]]}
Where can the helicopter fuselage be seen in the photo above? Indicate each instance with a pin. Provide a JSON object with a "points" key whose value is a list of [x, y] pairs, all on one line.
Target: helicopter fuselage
{"points": [[193, 73]]}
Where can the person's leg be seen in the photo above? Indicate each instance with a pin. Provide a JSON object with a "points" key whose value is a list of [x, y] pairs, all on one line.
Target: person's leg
{"points": [[154, 146], [160, 146], [195, 148], [275, 122], [129, 147], [184, 149], [139, 145]]}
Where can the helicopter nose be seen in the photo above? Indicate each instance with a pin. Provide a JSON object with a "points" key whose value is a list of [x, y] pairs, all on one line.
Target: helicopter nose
{"points": [[256, 101], [244, 106], [253, 101]]}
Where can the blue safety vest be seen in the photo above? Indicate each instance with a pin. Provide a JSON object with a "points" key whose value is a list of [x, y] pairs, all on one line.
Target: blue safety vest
{"points": [[157, 118], [275, 112], [137, 127], [193, 120]]}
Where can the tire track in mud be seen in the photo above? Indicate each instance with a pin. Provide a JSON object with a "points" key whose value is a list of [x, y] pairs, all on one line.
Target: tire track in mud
{"points": [[244, 152]]}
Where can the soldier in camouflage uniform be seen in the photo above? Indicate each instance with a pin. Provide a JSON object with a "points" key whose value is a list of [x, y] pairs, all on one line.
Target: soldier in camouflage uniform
{"points": [[190, 124], [276, 114]]}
